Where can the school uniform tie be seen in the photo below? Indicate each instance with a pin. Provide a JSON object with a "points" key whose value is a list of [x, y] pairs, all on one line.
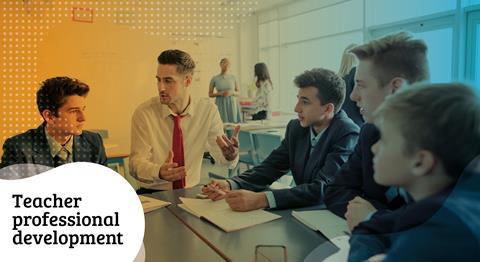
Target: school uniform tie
{"points": [[61, 157], [177, 148]]}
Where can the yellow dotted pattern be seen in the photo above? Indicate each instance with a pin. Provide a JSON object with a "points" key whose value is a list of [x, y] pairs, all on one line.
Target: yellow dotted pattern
{"points": [[25, 23]]}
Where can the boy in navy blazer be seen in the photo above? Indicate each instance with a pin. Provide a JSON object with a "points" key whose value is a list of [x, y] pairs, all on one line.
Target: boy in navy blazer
{"points": [[433, 155], [315, 146], [385, 65], [60, 138]]}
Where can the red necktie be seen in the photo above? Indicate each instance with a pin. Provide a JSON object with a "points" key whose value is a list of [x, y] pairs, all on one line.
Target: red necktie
{"points": [[177, 148]]}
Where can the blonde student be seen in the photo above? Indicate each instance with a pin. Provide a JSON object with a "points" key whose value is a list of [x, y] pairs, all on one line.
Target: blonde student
{"points": [[429, 148], [385, 65]]}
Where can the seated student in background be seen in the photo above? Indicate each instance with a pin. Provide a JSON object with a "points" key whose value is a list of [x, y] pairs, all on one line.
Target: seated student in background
{"points": [[429, 135], [264, 88], [385, 65], [347, 72], [60, 138], [315, 146], [170, 132]]}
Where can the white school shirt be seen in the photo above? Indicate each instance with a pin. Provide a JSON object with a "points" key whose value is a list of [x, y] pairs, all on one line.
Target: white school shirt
{"points": [[152, 132]]}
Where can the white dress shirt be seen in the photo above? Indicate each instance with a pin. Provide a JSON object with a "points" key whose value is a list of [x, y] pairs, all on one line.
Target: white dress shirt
{"points": [[152, 132]]}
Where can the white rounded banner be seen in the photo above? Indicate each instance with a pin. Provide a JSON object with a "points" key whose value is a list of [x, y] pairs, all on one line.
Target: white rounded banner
{"points": [[75, 212]]}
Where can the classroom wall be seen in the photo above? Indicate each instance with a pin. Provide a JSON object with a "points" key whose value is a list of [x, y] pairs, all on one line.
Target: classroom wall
{"points": [[301, 35], [248, 54], [380, 12], [117, 58]]}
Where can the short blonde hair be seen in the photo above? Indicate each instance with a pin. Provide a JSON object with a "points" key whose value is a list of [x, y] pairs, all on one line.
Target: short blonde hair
{"points": [[396, 55], [348, 61], [441, 118]]}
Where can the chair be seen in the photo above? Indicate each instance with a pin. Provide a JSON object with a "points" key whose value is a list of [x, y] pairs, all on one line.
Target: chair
{"points": [[102, 132], [265, 143], [247, 153]]}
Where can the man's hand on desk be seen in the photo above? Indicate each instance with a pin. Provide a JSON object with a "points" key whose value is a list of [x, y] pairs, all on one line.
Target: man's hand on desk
{"points": [[244, 200], [229, 147], [216, 189], [169, 170]]}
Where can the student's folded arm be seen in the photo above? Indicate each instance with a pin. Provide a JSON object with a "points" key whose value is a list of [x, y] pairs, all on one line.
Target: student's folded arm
{"points": [[140, 164], [313, 193], [365, 246], [272, 168], [216, 130]]}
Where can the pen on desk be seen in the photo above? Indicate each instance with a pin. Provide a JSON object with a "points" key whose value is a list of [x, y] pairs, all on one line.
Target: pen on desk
{"points": [[216, 190]]}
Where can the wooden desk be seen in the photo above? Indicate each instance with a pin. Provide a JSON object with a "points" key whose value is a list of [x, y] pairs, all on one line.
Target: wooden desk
{"points": [[168, 239], [240, 245]]}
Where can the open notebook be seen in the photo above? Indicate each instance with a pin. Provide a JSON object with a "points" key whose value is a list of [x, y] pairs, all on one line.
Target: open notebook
{"points": [[329, 224], [150, 204], [220, 214]]}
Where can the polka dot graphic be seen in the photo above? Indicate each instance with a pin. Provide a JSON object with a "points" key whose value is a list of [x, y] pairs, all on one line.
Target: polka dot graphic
{"points": [[25, 25]]}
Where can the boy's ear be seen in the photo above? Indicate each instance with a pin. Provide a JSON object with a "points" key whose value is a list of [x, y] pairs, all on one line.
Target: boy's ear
{"points": [[423, 163], [397, 83], [330, 108], [48, 116]]}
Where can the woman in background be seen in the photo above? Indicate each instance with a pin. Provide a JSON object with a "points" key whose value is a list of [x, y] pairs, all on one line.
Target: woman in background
{"points": [[227, 88], [264, 87], [347, 72]]}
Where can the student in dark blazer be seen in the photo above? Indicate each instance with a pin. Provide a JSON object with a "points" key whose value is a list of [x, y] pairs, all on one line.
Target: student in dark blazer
{"points": [[60, 138], [385, 65], [425, 156], [315, 146]]}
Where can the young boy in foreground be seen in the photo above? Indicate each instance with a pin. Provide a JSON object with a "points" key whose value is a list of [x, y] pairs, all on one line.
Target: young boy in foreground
{"points": [[429, 146]]}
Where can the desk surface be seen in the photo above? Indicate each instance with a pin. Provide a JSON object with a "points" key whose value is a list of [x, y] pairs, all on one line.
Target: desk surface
{"points": [[254, 126], [168, 239], [240, 245]]}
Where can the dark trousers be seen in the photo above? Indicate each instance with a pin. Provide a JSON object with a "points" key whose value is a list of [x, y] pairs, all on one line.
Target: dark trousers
{"points": [[261, 115]]}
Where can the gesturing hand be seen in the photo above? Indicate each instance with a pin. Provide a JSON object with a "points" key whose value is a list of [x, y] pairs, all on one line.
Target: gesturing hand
{"points": [[170, 171], [229, 147]]}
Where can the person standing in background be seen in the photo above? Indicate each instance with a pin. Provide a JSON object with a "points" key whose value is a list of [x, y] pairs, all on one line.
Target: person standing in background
{"points": [[225, 97], [264, 87], [347, 72]]}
